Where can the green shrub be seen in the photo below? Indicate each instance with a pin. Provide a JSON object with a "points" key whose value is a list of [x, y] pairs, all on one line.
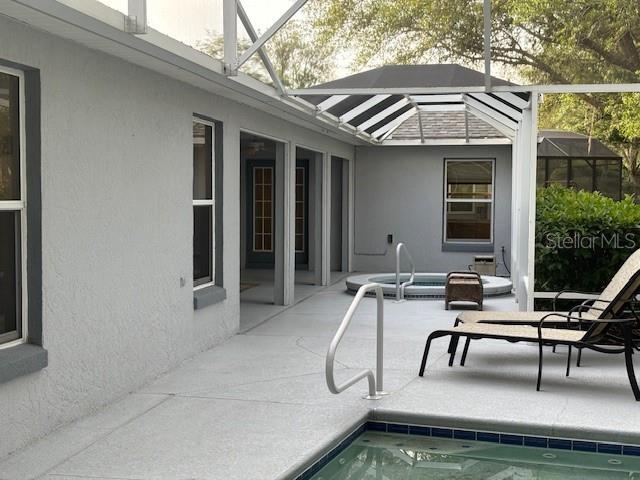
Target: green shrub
{"points": [[582, 238]]}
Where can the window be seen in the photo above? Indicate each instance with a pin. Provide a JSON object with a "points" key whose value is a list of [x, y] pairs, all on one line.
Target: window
{"points": [[468, 200], [263, 209], [12, 210], [203, 204]]}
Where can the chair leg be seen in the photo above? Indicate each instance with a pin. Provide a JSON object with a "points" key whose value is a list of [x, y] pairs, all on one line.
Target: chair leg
{"points": [[579, 357], [554, 349], [628, 356], [425, 355], [539, 366], [465, 351], [453, 346], [568, 362]]}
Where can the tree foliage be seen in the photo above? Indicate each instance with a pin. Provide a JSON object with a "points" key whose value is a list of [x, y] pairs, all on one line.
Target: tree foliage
{"points": [[582, 238], [298, 58], [542, 41]]}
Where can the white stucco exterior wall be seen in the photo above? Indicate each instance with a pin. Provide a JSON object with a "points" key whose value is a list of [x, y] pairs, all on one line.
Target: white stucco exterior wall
{"points": [[117, 228], [400, 191]]}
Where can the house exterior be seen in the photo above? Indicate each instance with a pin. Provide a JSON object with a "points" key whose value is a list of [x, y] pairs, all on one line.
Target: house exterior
{"points": [[137, 182]]}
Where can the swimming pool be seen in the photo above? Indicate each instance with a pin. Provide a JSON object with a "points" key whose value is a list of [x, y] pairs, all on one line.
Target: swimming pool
{"points": [[426, 285], [391, 451]]}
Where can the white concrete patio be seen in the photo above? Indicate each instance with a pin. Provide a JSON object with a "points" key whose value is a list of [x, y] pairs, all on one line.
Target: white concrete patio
{"points": [[257, 406]]}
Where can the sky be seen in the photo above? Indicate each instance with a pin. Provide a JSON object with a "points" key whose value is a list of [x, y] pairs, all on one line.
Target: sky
{"points": [[190, 21]]}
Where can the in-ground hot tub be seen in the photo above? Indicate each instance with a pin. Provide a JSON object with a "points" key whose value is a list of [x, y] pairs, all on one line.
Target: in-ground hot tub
{"points": [[426, 285]]}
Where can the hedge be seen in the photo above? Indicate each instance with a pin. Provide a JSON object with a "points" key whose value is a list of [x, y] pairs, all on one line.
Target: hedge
{"points": [[582, 238]]}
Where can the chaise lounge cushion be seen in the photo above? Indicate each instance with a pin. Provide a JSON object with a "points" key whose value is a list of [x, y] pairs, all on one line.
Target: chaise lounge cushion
{"points": [[519, 332], [502, 317]]}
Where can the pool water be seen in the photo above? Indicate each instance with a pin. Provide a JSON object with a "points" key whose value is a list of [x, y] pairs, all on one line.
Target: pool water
{"points": [[376, 455]]}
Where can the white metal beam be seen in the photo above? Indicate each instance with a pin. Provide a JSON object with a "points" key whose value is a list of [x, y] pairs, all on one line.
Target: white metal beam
{"points": [[420, 127], [497, 104], [383, 114], [363, 107], [271, 31], [497, 116], [506, 131], [136, 19], [453, 98], [531, 174], [448, 141], [452, 107], [386, 129], [230, 34], [486, 10], [244, 18], [577, 88], [332, 101], [513, 99]]}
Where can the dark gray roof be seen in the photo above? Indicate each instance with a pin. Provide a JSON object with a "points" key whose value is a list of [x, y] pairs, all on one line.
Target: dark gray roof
{"points": [[401, 76], [387, 110], [557, 143], [444, 125]]}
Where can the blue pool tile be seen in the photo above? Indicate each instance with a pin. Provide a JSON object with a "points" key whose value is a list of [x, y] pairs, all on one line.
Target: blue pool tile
{"points": [[540, 442], [488, 437], [417, 430], [631, 450], [397, 428], [377, 426], [441, 432], [610, 448], [464, 434], [560, 444], [582, 446], [508, 439]]}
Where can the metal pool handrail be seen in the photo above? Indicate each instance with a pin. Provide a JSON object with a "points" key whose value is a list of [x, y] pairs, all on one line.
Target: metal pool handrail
{"points": [[375, 382], [400, 287]]}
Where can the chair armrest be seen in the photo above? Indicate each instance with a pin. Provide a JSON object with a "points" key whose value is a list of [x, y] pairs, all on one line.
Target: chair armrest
{"points": [[562, 292]]}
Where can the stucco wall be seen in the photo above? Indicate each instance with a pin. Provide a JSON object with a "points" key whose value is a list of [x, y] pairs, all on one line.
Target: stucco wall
{"points": [[117, 228], [399, 190]]}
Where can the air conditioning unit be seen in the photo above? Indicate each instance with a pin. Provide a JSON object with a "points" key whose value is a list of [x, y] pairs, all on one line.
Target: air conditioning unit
{"points": [[484, 264]]}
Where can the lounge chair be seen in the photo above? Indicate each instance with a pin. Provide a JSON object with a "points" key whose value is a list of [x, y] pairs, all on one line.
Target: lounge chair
{"points": [[589, 326], [619, 281], [600, 336], [623, 286]]}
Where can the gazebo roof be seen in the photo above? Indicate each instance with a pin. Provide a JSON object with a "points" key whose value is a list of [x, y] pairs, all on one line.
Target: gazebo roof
{"points": [[379, 115]]}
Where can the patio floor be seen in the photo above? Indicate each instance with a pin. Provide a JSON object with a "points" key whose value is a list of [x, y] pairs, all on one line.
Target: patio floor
{"points": [[256, 407]]}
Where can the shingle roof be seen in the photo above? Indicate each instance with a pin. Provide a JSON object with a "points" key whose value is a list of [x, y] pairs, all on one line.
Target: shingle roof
{"points": [[394, 76], [360, 101], [440, 125]]}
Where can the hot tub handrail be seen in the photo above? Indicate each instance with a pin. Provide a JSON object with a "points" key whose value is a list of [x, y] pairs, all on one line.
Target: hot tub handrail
{"points": [[401, 286], [375, 382]]}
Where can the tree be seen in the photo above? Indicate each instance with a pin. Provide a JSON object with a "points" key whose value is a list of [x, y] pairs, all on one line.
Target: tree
{"points": [[545, 41], [298, 58]]}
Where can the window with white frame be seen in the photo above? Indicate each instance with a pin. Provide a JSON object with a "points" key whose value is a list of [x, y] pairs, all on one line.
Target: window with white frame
{"points": [[468, 201], [203, 204], [12, 209]]}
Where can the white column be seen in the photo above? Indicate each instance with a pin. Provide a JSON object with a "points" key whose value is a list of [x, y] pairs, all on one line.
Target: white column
{"points": [[326, 219], [230, 33], [284, 273], [531, 175]]}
